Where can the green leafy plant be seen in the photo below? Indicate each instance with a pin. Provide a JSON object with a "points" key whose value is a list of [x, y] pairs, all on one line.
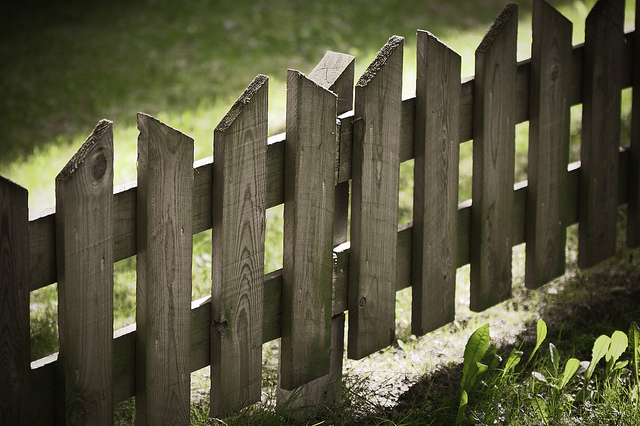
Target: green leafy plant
{"points": [[472, 368]]}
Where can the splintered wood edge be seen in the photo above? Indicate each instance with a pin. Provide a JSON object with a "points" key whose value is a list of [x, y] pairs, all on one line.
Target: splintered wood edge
{"points": [[381, 59], [243, 100], [78, 158], [510, 11]]}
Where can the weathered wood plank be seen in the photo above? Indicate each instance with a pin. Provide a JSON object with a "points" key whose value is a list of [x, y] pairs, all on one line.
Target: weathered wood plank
{"points": [[14, 304], [435, 205], [163, 295], [633, 222], [336, 72], [493, 162], [600, 132], [308, 231], [84, 202], [374, 213], [237, 267], [549, 131], [42, 229]]}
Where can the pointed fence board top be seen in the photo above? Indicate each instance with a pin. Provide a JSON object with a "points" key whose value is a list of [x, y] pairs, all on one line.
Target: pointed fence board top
{"points": [[241, 102], [80, 156], [380, 60], [509, 12]]}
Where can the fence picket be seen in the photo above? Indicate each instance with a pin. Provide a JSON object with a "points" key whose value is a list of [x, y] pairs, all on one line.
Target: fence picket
{"points": [[435, 206], [600, 132], [308, 231], [84, 243], [633, 223], [14, 304], [334, 72], [237, 268], [374, 213], [163, 295], [493, 162], [549, 131]]}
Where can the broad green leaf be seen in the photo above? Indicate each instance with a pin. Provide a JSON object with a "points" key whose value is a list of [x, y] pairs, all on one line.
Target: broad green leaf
{"points": [[570, 369], [541, 335], [555, 358], [464, 400], [513, 360], [617, 346], [475, 372], [600, 348], [540, 407], [475, 349]]}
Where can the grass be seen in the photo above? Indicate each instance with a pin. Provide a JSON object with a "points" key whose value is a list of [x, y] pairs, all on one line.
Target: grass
{"points": [[65, 66]]}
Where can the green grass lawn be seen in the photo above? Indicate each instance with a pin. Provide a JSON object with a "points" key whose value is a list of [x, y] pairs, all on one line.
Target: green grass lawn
{"points": [[63, 67]]}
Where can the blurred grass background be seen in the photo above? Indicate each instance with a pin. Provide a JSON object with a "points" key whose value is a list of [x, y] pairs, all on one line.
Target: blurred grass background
{"points": [[65, 66]]}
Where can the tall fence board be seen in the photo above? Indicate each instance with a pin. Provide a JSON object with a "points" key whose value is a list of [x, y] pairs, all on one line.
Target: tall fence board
{"points": [[163, 294], [493, 162], [435, 205], [14, 304], [600, 132], [84, 203], [374, 213], [191, 200], [240, 147], [549, 131], [308, 231]]}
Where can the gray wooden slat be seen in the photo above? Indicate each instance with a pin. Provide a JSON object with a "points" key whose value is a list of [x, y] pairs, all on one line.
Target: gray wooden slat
{"points": [[308, 231], [163, 295], [493, 162], [549, 131], [14, 304], [237, 268], [600, 132], [84, 202], [435, 206], [374, 213]]}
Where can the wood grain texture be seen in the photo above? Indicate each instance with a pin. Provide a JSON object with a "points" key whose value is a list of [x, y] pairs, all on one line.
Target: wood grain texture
{"points": [[600, 132], [42, 377], [308, 231], [374, 213], [336, 72], [163, 267], [84, 202], [633, 212], [435, 205], [493, 162], [549, 131], [42, 229], [237, 268], [14, 304]]}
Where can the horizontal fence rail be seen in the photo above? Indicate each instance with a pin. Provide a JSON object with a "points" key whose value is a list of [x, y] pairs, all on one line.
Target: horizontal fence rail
{"points": [[333, 136]]}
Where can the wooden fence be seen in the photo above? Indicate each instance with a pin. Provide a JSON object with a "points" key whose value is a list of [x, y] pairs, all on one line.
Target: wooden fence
{"points": [[332, 137]]}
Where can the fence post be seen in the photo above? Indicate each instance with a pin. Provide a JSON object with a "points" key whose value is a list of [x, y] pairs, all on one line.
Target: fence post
{"points": [[14, 304], [599, 150], [435, 206], [308, 231], [163, 267], [374, 213], [493, 162], [237, 268], [549, 122], [633, 224], [84, 246]]}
